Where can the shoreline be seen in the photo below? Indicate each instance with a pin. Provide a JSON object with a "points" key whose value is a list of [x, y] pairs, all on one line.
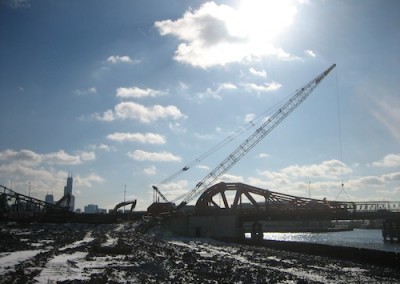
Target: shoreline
{"points": [[363, 255]]}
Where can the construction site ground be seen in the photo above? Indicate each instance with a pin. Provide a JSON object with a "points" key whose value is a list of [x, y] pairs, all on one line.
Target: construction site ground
{"points": [[116, 253]]}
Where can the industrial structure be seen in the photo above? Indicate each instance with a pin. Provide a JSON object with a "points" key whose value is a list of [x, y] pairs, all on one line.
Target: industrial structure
{"points": [[242, 149], [223, 210]]}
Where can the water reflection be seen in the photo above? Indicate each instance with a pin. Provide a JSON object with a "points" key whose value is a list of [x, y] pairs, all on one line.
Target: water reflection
{"points": [[361, 238]]}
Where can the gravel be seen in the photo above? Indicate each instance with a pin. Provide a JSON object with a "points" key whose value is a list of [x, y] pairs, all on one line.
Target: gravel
{"points": [[117, 253]]}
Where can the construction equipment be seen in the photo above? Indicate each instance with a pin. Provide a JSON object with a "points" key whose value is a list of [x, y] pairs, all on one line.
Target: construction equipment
{"points": [[243, 148], [124, 203]]}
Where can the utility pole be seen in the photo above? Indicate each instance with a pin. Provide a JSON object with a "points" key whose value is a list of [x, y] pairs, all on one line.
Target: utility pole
{"points": [[29, 194], [309, 189], [124, 196]]}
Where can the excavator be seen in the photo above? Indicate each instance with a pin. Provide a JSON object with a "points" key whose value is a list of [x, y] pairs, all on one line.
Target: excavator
{"points": [[163, 206]]}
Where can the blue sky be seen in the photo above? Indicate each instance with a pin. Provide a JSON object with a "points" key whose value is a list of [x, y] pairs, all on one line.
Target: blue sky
{"points": [[129, 92]]}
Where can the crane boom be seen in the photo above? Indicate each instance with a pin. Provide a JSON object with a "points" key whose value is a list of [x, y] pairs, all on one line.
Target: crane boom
{"points": [[256, 137]]}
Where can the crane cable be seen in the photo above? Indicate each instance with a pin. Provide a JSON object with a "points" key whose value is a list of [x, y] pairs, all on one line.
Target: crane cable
{"points": [[251, 124], [340, 141]]}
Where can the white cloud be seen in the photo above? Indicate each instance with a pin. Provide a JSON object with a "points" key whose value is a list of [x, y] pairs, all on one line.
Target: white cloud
{"points": [[310, 53], [151, 171], [106, 116], [119, 59], [28, 157], [203, 167], [134, 111], [216, 92], [140, 155], [63, 158], [260, 73], [89, 180], [267, 87], [41, 171], [391, 160], [231, 178], [219, 34], [102, 147], [327, 169], [150, 138], [262, 155], [249, 117], [89, 91], [136, 92]]}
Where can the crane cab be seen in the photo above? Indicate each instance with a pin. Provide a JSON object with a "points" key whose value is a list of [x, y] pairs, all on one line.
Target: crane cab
{"points": [[158, 208]]}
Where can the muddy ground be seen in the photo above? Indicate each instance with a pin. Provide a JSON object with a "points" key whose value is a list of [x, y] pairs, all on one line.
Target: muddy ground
{"points": [[78, 253]]}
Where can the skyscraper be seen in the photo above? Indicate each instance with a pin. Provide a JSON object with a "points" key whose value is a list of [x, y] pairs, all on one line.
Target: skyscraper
{"points": [[68, 190]]}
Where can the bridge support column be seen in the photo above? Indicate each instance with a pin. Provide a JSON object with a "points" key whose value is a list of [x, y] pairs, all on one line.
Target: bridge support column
{"points": [[257, 232], [391, 230]]}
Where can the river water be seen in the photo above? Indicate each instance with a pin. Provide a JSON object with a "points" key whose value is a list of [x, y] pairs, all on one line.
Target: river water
{"points": [[360, 238]]}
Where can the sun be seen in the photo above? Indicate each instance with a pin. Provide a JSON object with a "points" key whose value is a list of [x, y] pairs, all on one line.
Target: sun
{"points": [[265, 19]]}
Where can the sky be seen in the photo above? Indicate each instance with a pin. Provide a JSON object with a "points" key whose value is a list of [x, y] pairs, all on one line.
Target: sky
{"points": [[124, 94]]}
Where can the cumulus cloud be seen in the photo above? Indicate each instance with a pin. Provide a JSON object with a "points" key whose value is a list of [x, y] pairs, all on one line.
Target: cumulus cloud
{"points": [[151, 171], [259, 73], [391, 160], [249, 117], [267, 87], [150, 138], [89, 180], [41, 170], [89, 91], [141, 155], [216, 92], [114, 59], [328, 169], [310, 53], [28, 157], [262, 155], [103, 147], [135, 92], [219, 34], [134, 111]]}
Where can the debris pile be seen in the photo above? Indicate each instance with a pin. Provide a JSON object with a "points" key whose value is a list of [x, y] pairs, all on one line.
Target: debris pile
{"points": [[116, 253]]}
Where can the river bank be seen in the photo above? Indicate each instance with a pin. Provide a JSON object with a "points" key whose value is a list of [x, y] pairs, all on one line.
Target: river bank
{"points": [[79, 253]]}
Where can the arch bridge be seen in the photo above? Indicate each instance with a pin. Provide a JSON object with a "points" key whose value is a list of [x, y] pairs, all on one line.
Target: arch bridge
{"points": [[247, 199], [230, 209]]}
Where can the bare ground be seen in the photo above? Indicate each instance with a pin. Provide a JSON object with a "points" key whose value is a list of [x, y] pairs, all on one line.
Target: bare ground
{"points": [[78, 253]]}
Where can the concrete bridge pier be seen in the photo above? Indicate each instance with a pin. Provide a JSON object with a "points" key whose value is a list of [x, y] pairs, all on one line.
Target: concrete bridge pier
{"points": [[391, 230], [215, 226]]}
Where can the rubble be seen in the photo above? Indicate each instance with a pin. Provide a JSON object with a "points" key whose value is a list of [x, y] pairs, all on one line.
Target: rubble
{"points": [[116, 253]]}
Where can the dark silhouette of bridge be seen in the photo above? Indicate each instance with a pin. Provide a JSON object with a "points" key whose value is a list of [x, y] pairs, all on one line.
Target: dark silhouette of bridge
{"points": [[231, 209], [259, 203]]}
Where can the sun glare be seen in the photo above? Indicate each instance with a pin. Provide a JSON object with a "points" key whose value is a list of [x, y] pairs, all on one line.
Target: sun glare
{"points": [[265, 18]]}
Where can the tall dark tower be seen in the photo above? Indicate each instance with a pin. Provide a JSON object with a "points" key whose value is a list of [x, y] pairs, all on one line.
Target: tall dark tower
{"points": [[68, 187], [68, 190]]}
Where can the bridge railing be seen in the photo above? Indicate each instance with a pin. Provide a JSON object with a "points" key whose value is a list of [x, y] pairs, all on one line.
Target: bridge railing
{"points": [[375, 206]]}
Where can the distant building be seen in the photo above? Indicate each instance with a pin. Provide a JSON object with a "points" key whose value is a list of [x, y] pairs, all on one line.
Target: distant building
{"points": [[102, 211], [49, 198], [68, 190], [91, 208]]}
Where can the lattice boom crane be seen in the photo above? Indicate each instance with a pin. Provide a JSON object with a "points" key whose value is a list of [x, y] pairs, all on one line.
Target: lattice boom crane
{"points": [[252, 141], [255, 138]]}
